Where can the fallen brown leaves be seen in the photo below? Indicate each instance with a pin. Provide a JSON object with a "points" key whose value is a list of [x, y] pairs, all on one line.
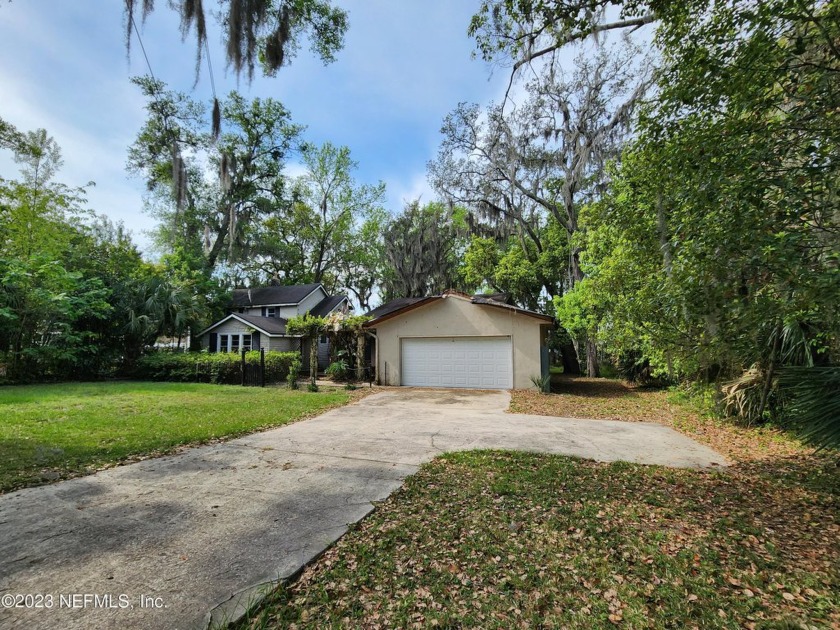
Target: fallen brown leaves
{"points": [[606, 399], [490, 539], [515, 540]]}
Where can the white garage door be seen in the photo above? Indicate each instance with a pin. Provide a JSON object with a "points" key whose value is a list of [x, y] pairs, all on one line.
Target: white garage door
{"points": [[477, 362]]}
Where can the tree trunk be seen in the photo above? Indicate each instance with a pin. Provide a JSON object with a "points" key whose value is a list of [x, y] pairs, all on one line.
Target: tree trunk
{"points": [[570, 359], [771, 372], [360, 356], [219, 243], [592, 359], [592, 369], [313, 358]]}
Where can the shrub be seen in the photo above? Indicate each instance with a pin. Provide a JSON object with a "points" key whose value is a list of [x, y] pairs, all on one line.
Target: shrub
{"points": [[216, 367], [349, 386], [543, 383], [814, 406], [312, 387], [294, 373], [742, 397], [338, 370], [278, 365]]}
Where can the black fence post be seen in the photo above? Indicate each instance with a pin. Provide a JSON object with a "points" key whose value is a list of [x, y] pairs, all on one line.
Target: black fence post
{"points": [[243, 366], [262, 367]]}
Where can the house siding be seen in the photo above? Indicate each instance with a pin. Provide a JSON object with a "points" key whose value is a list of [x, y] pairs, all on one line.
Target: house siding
{"points": [[282, 344], [287, 312], [234, 326], [311, 301], [323, 354], [456, 317]]}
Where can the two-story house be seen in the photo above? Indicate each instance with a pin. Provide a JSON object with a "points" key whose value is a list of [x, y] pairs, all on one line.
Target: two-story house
{"points": [[258, 319]]}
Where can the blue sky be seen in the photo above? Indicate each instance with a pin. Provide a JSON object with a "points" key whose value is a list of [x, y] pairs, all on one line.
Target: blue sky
{"points": [[405, 65]]}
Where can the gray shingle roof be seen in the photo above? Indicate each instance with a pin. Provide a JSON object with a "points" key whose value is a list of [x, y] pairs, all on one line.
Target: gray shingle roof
{"points": [[491, 302], [325, 306], [271, 325], [498, 297], [266, 296], [394, 305]]}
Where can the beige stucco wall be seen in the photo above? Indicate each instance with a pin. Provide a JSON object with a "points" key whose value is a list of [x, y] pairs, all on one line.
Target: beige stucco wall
{"points": [[457, 317]]}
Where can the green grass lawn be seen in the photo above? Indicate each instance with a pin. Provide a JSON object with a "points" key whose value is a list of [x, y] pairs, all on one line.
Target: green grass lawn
{"points": [[515, 540], [49, 432]]}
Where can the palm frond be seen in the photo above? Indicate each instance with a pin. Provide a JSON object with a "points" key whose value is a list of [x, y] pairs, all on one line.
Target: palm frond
{"points": [[813, 407]]}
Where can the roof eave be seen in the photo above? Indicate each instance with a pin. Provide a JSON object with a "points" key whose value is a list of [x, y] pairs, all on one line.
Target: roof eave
{"points": [[518, 311], [244, 321], [372, 323]]}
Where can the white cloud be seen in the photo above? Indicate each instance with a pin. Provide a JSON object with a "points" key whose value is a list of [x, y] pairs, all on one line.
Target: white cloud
{"points": [[404, 190], [293, 170]]}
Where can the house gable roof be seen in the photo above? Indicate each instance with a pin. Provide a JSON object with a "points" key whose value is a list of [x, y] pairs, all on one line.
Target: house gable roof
{"points": [[403, 305], [397, 306], [271, 326], [273, 296], [328, 305]]}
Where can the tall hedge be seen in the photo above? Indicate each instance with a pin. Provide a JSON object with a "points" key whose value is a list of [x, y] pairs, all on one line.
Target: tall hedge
{"points": [[217, 367]]}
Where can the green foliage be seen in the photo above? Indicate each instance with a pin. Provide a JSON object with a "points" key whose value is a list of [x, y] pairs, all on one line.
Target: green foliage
{"points": [[312, 387], [813, 403], [309, 326], [350, 323], [68, 277], [306, 325], [634, 367], [331, 233], [11, 138], [216, 367], [542, 383], [716, 248], [265, 34], [350, 386], [294, 372], [347, 339], [480, 260], [338, 370], [212, 211]]}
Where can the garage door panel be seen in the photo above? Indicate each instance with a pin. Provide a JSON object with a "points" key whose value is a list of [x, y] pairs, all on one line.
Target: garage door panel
{"points": [[472, 362]]}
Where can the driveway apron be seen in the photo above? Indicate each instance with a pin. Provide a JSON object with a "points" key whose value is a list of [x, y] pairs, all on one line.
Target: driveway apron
{"points": [[193, 539]]}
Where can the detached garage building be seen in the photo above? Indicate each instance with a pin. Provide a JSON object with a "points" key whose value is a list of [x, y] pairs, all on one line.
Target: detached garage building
{"points": [[455, 340]]}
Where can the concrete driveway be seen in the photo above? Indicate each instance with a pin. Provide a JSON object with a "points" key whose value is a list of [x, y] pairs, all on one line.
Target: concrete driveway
{"points": [[162, 543]]}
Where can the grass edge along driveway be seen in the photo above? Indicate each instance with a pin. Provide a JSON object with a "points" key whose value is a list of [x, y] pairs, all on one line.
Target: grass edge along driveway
{"points": [[57, 431], [505, 540], [497, 539]]}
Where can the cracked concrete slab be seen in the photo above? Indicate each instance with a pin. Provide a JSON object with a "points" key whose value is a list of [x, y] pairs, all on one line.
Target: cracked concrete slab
{"points": [[197, 537]]}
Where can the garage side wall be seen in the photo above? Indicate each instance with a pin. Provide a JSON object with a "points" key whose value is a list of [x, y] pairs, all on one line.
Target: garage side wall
{"points": [[455, 317]]}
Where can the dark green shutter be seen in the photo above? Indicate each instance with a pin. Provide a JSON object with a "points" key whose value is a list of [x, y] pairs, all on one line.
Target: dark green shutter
{"points": [[214, 342], [255, 340]]}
